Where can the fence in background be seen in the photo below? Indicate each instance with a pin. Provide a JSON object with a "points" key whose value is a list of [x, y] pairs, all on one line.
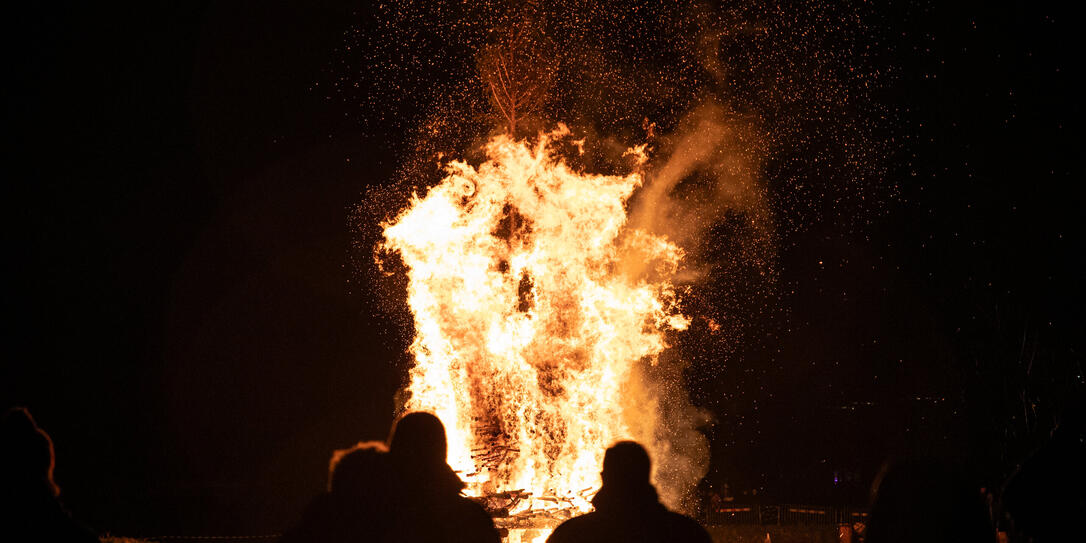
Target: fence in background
{"points": [[265, 538]]}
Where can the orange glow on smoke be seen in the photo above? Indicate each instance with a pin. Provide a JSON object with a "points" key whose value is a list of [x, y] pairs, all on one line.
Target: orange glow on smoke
{"points": [[534, 303]]}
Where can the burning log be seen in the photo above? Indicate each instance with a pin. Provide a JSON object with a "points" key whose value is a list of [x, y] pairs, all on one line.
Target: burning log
{"points": [[498, 452], [500, 504]]}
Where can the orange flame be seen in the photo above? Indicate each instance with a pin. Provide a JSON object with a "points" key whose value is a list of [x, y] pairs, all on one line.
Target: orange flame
{"points": [[534, 303]]}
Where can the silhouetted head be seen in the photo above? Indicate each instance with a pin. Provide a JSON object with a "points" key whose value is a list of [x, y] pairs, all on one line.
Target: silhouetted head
{"points": [[27, 459], [927, 500], [626, 488], [626, 465], [359, 470], [419, 437]]}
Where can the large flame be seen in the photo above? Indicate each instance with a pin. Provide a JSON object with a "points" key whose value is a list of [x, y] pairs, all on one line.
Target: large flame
{"points": [[535, 303]]}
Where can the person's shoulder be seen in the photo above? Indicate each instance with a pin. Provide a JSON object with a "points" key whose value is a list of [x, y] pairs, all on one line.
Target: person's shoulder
{"points": [[476, 520], [574, 529], [471, 507], [581, 520], [320, 507], [57, 525], [685, 528], [316, 515]]}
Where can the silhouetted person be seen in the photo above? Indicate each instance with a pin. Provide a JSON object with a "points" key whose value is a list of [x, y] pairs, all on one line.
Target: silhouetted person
{"points": [[356, 506], [29, 506], [627, 508], [429, 505], [927, 500], [1046, 498]]}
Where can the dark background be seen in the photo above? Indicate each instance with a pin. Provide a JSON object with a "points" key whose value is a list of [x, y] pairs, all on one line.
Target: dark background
{"points": [[184, 319]]}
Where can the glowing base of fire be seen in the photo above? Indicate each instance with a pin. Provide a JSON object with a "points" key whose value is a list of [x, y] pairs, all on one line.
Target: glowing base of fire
{"points": [[523, 518], [529, 535]]}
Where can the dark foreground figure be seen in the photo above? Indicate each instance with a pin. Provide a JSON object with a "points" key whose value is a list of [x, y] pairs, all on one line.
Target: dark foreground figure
{"points": [[356, 506], [405, 494], [1046, 498], [30, 510], [429, 506], [627, 508], [928, 500]]}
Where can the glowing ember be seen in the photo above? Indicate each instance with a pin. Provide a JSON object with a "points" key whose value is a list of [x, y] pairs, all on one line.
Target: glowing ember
{"points": [[535, 305]]}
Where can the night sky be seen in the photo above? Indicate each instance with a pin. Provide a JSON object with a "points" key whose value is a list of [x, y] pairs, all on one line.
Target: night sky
{"points": [[187, 190]]}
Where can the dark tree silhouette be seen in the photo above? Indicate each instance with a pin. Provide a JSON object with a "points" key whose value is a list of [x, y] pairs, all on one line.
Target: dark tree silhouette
{"points": [[518, 72]]}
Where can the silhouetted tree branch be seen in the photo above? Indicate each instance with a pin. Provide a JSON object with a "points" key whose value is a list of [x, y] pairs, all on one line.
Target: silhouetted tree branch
{"points": [[517, 72]]}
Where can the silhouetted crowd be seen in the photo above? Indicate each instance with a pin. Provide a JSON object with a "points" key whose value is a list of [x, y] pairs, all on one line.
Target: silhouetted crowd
{"points": [[403, 493], [406, 492]]}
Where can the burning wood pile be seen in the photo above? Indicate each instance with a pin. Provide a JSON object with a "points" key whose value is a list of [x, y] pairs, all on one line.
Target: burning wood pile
{"points": [[519, 509], [498, 450]]}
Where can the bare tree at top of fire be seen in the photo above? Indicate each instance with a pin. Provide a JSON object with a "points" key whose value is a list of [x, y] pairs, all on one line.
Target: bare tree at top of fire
{"points": [[518, 73]]}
